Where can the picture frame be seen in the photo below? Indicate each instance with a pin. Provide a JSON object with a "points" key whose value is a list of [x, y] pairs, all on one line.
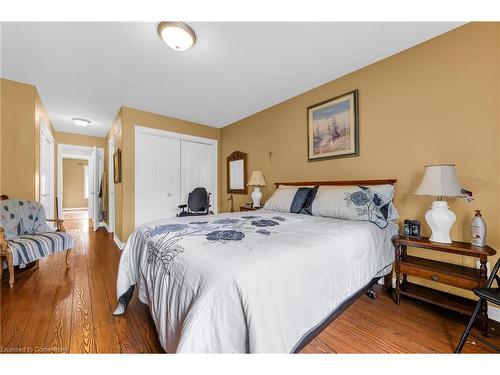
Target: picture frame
{"points": [[333, 128], [117, 166]]}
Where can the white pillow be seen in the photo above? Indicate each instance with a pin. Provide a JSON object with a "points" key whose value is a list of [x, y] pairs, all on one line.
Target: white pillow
{"points": [[282, 199], [369, 203]]}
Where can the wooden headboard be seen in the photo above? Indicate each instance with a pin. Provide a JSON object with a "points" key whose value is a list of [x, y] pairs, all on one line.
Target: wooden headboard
{"points": [[390, 181]]}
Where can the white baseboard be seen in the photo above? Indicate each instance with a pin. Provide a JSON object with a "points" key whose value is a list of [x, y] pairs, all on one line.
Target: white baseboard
{"points": [[105, 225], [75, 209], [118, 243]]}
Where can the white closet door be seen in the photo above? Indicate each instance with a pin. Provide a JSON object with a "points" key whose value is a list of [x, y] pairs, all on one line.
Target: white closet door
{"points": [[197, 168], [157, 173]]}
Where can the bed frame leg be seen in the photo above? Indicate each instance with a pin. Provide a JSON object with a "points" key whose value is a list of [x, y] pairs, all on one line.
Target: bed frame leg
{"points": [[371, 293]]}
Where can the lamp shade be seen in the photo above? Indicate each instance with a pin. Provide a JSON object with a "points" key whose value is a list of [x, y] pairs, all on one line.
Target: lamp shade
{"points": [[440, 180], [257, 179]]}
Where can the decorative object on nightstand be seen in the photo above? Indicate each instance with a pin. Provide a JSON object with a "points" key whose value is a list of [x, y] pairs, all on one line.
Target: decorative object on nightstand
{"points": [[257, 180], [446, 273], [440, 181], [478, 230]]}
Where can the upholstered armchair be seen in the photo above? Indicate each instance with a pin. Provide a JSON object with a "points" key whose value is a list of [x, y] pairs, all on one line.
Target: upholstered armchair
{"points": [[26, 237]]}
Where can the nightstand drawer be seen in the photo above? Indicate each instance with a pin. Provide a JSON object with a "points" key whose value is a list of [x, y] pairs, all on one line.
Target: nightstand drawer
{"points": [[445, 273]]}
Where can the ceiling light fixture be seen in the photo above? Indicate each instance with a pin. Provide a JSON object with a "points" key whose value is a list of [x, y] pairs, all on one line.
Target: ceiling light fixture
{"points": [[81, 121], [177, 35]]}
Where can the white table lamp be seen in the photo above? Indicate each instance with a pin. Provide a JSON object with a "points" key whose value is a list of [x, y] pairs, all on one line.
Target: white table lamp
{"points": [[257, 180], [440, 181]]}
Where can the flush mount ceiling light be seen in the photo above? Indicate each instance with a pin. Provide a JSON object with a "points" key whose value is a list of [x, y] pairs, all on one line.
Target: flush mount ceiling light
{"points": [[177, 35], [81, 121]]}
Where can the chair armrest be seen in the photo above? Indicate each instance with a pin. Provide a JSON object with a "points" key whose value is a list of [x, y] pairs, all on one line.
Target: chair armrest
{"points": [[3, 242], [59, 223]]}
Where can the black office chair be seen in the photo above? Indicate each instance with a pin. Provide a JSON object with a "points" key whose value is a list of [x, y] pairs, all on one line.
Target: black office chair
{"points": [[488, 294], [198, 203]]}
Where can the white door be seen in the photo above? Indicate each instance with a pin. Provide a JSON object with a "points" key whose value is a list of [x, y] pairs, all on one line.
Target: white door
{"points": [[111, 188], [197, 169], [46, 171], [95, 185], [157, 177]]}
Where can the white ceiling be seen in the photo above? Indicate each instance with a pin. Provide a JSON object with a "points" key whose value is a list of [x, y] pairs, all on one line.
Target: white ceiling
{"points": [[91, 69]]}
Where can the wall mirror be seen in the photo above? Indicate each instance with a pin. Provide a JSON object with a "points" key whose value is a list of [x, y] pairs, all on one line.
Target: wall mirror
{"points": [[237, 173]]}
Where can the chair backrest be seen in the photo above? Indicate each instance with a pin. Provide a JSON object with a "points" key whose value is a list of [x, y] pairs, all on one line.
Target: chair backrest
{"points": [[19, 217], [494, 275], [198, 200]]}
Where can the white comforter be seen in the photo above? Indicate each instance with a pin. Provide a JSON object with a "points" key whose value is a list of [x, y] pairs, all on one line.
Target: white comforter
{"points": [[248, 282]]}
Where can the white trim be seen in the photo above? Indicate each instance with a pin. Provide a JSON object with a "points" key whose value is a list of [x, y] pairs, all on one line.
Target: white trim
{"points": [[105, 225], [118, 243], [75, 208], [111, 186], [64, 155], [75, 157], [59, 178], [169, 134], [184, 137], [44, 131]]}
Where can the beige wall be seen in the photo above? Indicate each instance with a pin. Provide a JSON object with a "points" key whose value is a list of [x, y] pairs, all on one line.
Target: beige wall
{"points": [[21, 109], [127, 119], [436, 101], [73, 183]]}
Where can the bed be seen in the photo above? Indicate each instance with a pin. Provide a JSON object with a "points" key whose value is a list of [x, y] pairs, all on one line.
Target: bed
{"points": [[251, 282]]}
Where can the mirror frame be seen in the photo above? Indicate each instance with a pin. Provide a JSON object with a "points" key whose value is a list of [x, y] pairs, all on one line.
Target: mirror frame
{"points": [[237, 155]]}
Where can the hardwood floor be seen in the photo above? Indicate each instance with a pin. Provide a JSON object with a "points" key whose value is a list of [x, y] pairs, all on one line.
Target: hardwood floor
{"points": [[54, 309]]}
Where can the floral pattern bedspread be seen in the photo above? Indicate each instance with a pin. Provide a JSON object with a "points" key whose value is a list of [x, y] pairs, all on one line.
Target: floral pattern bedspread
{"points": [[248, 282]]}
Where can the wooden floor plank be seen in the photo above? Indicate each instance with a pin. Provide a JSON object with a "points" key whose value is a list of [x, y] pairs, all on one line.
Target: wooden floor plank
{"points": [[82, 333], [70, 310], [38, 324]]}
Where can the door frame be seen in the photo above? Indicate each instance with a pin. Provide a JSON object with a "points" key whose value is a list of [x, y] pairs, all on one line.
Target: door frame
{"points": [[111, 186], [139, 129], [60, 176], [45, 132]]}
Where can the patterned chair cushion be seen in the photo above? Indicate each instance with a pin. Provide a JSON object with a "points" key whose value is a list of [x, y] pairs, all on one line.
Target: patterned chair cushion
{"points": [[22, 217], [29, 248]]}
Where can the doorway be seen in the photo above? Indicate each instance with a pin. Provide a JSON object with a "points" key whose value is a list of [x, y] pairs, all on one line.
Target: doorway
{"points": [[91, 165], [76, 186]]}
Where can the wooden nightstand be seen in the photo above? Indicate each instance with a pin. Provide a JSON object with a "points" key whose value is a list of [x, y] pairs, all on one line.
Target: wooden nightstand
{"points": [[441, 272], [248, 208]]}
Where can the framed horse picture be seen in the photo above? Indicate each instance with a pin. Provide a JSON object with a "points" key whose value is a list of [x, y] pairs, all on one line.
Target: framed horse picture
{"points": [[332, 128]]}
